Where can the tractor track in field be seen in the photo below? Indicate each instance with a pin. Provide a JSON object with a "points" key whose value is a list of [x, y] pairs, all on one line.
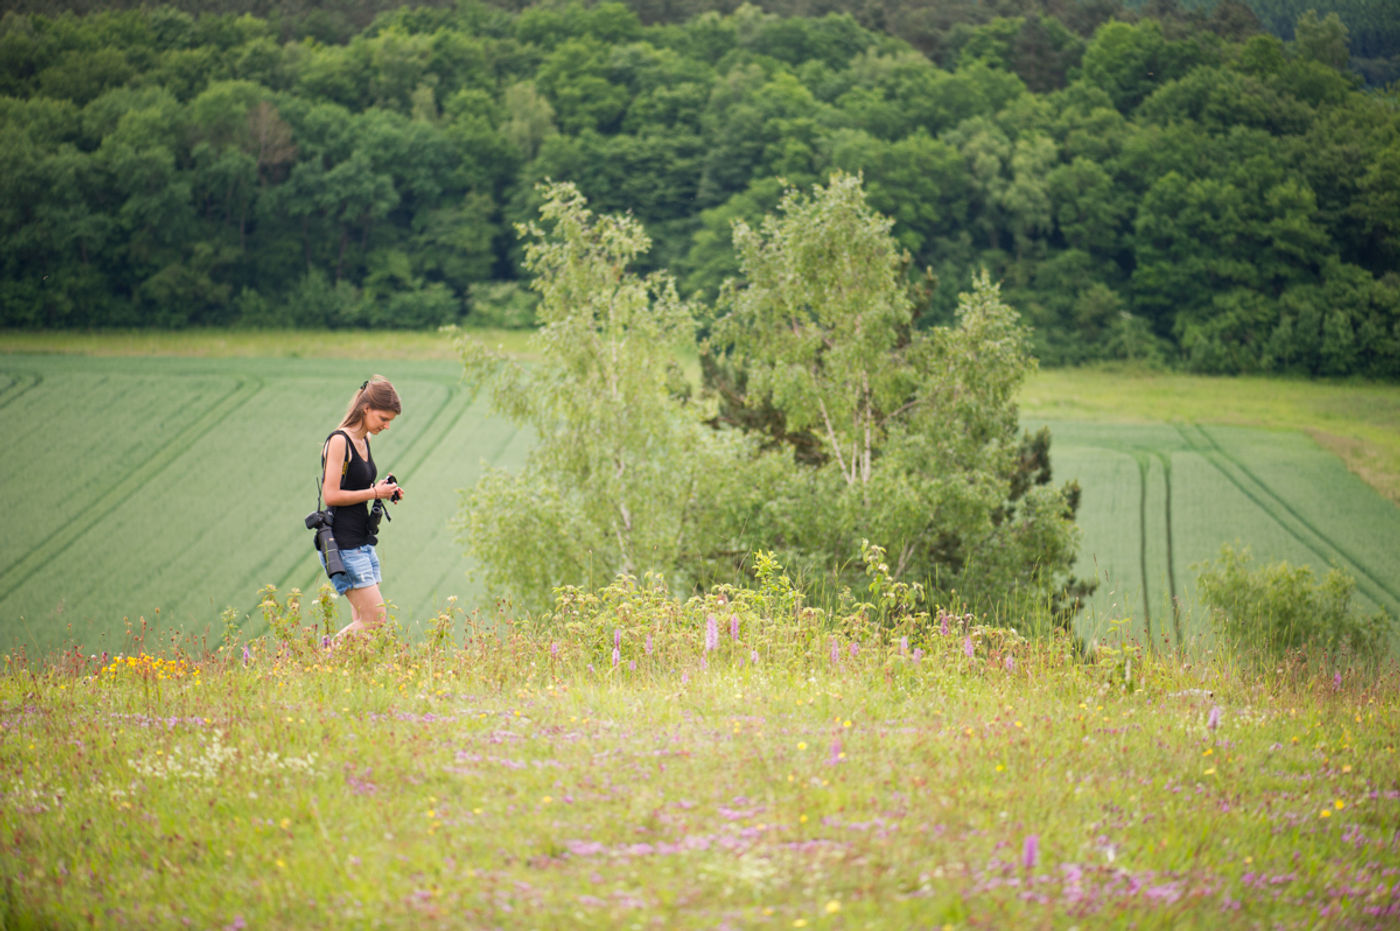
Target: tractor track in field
{"points": [[1296, 525], [1144, 457], [19, 386], [1166, 461], [130, 483], [495, 456], [1144, 478]]}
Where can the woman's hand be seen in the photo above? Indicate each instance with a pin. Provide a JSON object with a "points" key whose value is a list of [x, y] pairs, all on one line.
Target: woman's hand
{"points": [[386, 488]]}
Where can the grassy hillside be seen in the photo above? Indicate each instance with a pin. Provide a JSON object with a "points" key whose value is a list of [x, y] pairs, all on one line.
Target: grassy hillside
{"points": [[777, 780]]}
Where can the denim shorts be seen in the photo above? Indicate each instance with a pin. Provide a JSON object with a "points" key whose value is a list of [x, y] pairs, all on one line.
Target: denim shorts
{"points": [[361, 569]]}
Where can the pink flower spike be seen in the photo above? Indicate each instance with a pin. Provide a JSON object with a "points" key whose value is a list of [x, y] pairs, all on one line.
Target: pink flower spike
{"points": [[711, 634], [1214, 720], [1031, 851], [1010, 663], [967, 646], [918, 654], [733, 627], [943, 623], [617, 638], [648, 644], [617, 656], [835, 652], [836, 754], [903, 645]]}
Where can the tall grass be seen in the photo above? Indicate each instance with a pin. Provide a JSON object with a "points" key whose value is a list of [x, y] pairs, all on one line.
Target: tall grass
{"points": [[735, 760]]}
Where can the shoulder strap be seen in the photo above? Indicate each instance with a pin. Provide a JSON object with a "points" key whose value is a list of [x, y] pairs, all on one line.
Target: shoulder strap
{"points": [[325, 447]]}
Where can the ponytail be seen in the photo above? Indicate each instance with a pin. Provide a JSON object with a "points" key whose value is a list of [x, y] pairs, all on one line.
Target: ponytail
{"points": [[376, 393]]}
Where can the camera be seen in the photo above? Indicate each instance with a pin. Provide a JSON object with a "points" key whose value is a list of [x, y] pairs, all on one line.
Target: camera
{"points": [[378, 512], [322, 522]]}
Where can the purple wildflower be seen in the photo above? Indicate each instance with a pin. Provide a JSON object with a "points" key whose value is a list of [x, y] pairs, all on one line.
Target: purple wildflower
{"points": [[246, 656], [943, 623], [1031, 851], [1337, 679], [554, 649], [835, 652], [711, 634], [967, 646], [753, 657], [733, 627], [1010, 663], [903, 645], [648, 644], [836, 754], [918, 654], [855, 650], [1214, 720], [617, 638], [632, 665], [617, 656]]}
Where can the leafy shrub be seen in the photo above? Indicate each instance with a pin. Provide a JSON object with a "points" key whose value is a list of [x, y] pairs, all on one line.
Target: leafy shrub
{"points": [[1280, 608]]}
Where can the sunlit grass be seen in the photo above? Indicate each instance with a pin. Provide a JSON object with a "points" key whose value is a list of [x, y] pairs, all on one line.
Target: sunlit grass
{"points": [[679, 770]]}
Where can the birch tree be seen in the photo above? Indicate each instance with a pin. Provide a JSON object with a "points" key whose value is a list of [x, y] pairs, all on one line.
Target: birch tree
{"points": [[612, 483]]}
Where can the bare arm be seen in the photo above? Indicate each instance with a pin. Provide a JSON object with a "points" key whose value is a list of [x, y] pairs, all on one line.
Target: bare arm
{"points": [[331, 492]]}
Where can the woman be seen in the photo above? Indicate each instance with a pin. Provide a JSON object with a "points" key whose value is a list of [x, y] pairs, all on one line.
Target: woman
{"points": [[348, 485]]}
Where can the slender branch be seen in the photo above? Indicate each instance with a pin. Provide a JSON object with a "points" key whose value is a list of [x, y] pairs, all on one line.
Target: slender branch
{"points": [[623, 538], [831, 438], [869, 416], [904, 555]]}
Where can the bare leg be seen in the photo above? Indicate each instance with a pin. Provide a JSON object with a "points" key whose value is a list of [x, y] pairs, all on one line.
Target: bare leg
{"points": [[366, 610]]}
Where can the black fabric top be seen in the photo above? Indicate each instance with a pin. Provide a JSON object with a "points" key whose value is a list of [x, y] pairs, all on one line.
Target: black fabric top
{"points": [[351, 525]]}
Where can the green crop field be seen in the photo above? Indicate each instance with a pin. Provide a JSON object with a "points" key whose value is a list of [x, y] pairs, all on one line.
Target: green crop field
{"points": [[171, 489], [1161, 498], [167, 480]]}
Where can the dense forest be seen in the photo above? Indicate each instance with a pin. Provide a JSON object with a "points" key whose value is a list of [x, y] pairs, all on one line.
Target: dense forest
{"points": [[1215, 187]]}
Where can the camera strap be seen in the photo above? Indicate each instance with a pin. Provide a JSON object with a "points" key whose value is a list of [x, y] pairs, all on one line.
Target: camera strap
{"points": [[378, 504], [324, 447]]}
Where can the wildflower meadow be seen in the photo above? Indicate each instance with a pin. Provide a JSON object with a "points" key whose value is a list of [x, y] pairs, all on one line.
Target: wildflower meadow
{"points": [[733, 760]]}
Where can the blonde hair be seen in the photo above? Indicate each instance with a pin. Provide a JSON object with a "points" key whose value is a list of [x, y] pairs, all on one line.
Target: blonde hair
{"points": [[377, 393]]}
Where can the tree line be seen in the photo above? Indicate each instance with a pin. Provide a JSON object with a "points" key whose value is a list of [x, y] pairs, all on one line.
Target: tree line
{"points": [[1186, 188], [925, 24]]}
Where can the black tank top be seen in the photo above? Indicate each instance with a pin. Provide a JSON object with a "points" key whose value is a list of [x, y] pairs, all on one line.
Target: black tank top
{"points": [[351, 525]]}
